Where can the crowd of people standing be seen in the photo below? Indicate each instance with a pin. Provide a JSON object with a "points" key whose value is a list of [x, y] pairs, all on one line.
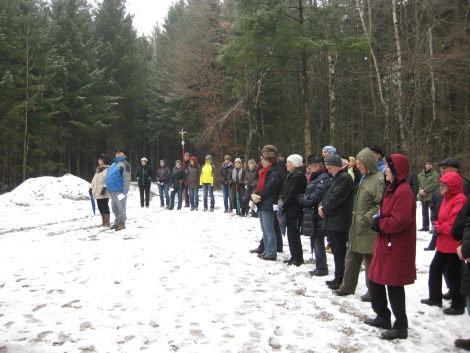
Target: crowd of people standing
{"points": [[364, 206]]}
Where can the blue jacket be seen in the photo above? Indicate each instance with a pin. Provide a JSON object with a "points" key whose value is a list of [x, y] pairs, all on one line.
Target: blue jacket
{"points": [[118, 177]]}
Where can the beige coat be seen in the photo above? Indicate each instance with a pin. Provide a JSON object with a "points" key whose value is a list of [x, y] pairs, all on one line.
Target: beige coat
{"points": [[99, 182]]}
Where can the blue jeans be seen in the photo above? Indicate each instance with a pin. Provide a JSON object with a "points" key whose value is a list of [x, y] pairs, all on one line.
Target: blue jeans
{"points": [[319, 250], [180, 198], [208, 188], [226, 195], [163, 190], [266, 221], [118, 207], [194, 197]]}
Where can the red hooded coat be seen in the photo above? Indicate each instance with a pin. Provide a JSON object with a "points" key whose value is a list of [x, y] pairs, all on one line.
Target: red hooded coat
{"points": [[453, 202], [393, 260]]}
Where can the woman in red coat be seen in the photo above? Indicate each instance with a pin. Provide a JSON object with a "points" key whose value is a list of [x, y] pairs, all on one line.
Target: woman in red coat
{"points": [[393, 260], [446, 247]]}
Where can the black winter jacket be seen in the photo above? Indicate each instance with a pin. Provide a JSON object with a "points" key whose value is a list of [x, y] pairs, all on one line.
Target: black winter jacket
{"points": [[465, 286], [295, 185], [271, 189], [314, 193], [225, 171], [144, 175], [338, 202], [163, 174], [176, 176]]}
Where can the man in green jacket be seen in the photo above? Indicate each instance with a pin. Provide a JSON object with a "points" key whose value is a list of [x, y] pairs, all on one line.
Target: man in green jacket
{"points": [[361, 236], [428, 182]]}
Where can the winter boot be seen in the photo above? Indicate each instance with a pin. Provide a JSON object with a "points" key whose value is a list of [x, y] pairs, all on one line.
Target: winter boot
{"points": [[102, 220], [121, 226], [114, 226], [106, 220]]}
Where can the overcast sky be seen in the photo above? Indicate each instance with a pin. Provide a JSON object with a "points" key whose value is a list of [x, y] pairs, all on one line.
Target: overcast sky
{"points": [[147, 13]]}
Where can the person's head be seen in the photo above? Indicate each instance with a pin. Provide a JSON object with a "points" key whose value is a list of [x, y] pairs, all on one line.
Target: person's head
{"points": [[314, 162], [143, 161], [252, 164], [178, 164], [282, 156], [186, 156], [269, 150], [268, 161], [428, 166], [451, 182], [345, 161], [377, 151], [333, 164], [352, 162], [360, 165], [327, 151], [397, 168], [121, 152], [238, 162], [162, 162], [103, 159], [294, 161], [192, 160], [227, 158], [449, 165], [208, 158]]}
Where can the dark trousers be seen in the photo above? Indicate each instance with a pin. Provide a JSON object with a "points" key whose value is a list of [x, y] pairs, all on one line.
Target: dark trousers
{"points": [[425, 212], [454, 278], [145, 188], [103, 206], [338, 247], [277, 229], [295, 245], [396, 296]]}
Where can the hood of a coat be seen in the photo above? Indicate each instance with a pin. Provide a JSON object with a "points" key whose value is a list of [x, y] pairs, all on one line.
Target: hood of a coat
{"points": [[453, 181], [400, 167], [367, 158]]}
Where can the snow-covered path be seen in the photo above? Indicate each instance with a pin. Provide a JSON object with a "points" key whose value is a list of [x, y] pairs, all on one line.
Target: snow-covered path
{"points": [[179, 281]]}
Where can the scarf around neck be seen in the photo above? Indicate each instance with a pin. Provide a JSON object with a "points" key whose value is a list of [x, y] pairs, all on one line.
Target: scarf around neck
{"points": [[261, 180]]}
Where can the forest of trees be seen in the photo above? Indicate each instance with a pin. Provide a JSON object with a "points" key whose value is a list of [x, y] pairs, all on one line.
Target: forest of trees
{"points": [[76, 80]]}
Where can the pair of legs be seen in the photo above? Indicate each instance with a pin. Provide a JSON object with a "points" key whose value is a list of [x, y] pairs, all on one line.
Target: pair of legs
{"points": [[118, 207], [454, 278], [194, 197], [186, 196], [353, 262], [226, 196], [266, 221], [295, 245], [396, 296], [277, 230], [318, 243], [144, 189], [425, 212], [208, 189], [163, 191], [178, 191], [338, 246]]}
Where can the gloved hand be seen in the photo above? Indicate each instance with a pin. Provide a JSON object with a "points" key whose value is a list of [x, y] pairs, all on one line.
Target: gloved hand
{"points": [[138, 179], [375, 225], [434, 231], [256, 198], [103, 191], [150, 179], [160, 180], [280, 202], [300, 199]]}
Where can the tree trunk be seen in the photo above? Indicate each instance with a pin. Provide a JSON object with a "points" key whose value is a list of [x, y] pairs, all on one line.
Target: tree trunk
{"points": [[305, 93], [331, 97]]}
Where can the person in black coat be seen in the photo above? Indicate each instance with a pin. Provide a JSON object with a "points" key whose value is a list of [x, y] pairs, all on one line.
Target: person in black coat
{"points": [[312, 224], [144, 179], [294, 186], [412, 179], [464, 254], [336, 210], [177, 179]]}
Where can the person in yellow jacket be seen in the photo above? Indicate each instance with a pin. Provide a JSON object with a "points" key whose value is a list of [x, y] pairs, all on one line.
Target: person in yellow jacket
{"points": [[207, 181]]}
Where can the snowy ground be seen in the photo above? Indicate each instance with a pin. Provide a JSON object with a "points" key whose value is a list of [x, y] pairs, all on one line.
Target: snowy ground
{"points": [[177, 281]]}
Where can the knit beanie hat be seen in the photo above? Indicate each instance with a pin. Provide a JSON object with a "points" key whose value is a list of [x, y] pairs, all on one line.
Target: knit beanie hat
{"points": [[187, 154], [193, 159], [209, 157], [227, 157], [295, 159], [334, 160], [178, 161], [162, 161], [238, 160], [330, 149]]}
